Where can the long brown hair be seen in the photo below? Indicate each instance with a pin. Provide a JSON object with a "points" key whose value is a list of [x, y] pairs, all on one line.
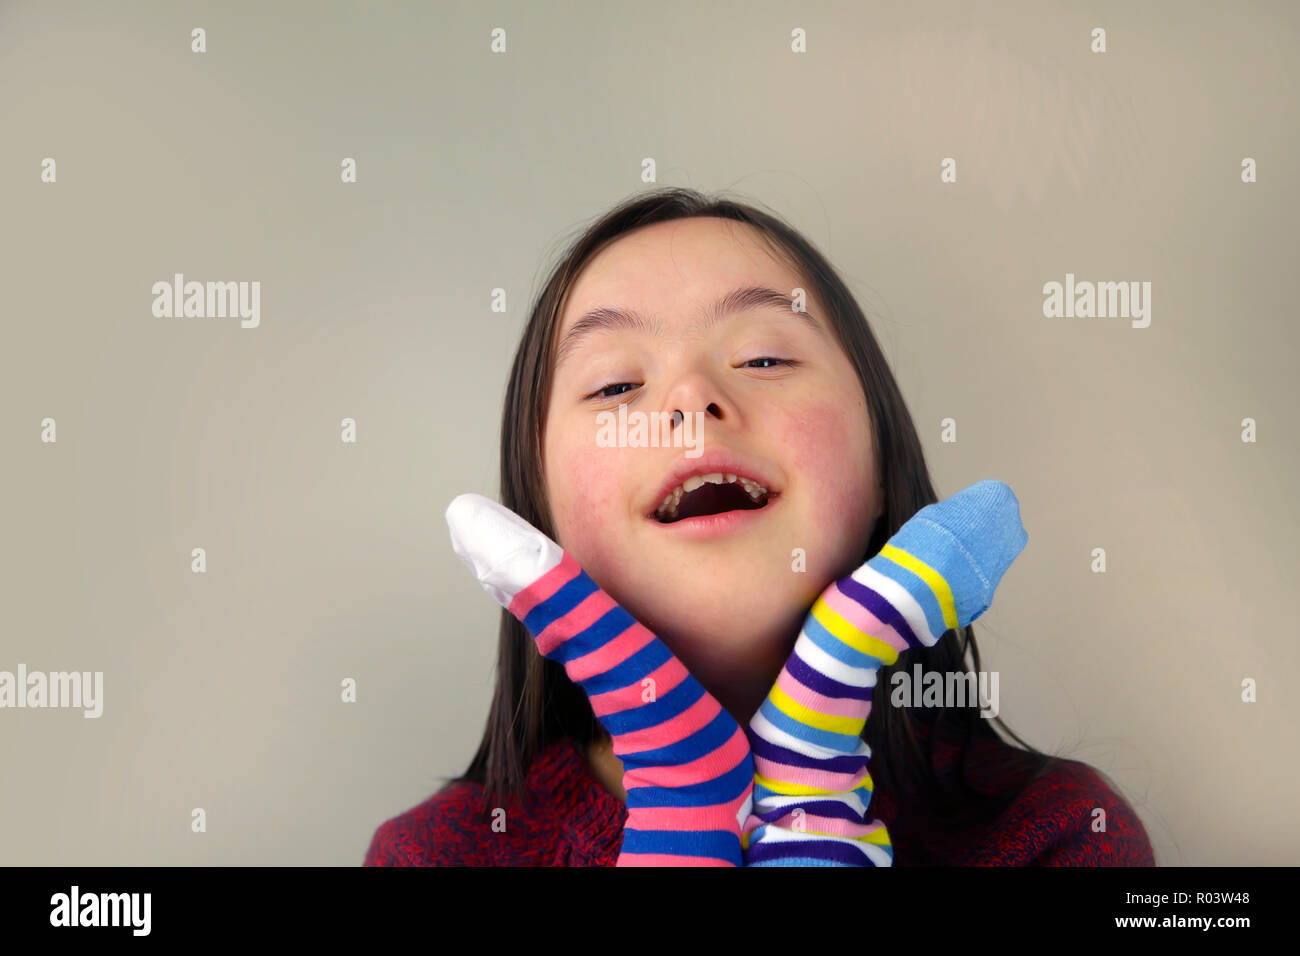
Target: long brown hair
{"points": [[535, 703]]}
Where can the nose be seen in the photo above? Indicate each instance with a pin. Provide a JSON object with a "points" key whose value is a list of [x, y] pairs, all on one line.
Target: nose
{"points": [[695, 391], [712, 409]]}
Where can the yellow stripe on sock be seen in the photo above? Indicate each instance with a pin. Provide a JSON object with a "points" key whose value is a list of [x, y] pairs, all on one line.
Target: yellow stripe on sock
{"points": [[874, 837], [843, 629], [852, 726], [880, 837], [938, 586], [785, 788]]}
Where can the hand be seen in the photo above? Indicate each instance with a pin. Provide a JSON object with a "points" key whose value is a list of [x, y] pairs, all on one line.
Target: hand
{"points": [[811, 785], [687, 765]]}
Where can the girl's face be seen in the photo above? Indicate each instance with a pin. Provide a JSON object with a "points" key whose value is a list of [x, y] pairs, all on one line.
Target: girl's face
{"points": [[729, 603]]}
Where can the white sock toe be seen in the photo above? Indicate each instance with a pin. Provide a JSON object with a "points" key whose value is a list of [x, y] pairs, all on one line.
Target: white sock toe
{"points": [[505, 552]]}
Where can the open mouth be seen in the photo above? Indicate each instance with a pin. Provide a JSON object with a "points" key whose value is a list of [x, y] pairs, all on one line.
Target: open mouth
{"points": [[711, 495]]}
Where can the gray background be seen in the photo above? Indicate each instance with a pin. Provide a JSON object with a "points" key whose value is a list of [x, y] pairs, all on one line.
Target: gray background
{"points": [[328, 560]]}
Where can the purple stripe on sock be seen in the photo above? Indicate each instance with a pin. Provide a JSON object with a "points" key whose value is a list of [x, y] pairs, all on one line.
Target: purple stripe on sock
{"points": [[848, 763], [885, 612], [815, 680]]}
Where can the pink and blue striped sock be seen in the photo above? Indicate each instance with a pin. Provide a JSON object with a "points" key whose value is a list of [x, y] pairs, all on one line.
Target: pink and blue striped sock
{"points": [[811, 785], [686, 761]]}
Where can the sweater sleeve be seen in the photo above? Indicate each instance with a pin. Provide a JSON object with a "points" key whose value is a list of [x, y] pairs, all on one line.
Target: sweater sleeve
{"points": [[444, 830], [1075, 806], [388, 848]]}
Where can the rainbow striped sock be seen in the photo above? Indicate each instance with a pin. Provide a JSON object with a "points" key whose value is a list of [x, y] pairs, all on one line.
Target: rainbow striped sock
{"points": [[686, 762], [811, 785]]}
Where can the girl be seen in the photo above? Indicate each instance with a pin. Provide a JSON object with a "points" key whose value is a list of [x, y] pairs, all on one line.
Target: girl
{"points": [[676, 303]]}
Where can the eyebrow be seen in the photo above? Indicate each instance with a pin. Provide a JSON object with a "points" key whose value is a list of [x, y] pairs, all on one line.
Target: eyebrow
{"points": [[738, 300]]}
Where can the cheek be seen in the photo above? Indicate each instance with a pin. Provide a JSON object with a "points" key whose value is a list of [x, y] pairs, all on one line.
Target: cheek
{"points": [[584, 496], [827, 451]]}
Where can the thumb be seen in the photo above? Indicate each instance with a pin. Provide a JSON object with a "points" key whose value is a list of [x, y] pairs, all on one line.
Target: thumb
{"points": [[503, 551]]}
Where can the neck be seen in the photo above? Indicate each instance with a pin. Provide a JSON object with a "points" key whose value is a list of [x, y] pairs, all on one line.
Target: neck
{"points": [[740, 699], [606, 767]]}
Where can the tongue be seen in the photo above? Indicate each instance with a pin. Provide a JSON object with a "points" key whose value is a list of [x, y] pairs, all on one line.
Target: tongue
{"points": [[710, 499]]}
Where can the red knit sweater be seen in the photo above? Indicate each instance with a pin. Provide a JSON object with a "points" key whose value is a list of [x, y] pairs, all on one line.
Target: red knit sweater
{"points": [[566, 818]]}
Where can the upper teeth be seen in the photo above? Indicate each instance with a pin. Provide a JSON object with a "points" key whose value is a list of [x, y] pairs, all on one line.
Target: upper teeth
{"points": [[668, 509]]}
